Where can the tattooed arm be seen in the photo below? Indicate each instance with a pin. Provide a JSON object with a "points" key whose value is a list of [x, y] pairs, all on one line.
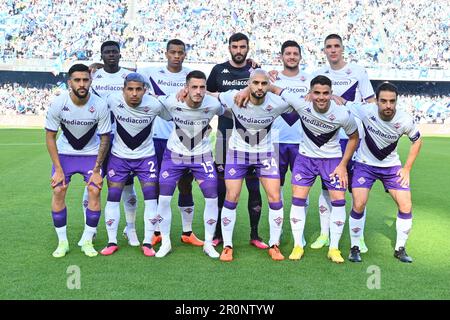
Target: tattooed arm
{"points": [[96, 177], [102, 151]]}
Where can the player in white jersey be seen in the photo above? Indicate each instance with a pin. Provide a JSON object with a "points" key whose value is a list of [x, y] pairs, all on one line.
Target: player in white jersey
{"points": [[377, 158], [189, 150], [287, 130], [109, 79], [132, 153], [351, 82], [320, 154], [251, 149], [166, 80], [105, 81], [82, 117], [233, 75]]}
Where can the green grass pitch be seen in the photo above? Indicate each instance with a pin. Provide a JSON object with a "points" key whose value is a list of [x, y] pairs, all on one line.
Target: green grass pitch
{"points": [[28, 271]]}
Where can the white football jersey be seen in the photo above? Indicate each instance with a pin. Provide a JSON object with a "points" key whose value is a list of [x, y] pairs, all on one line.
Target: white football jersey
{"points": [[132, 136], [288, 131], [379, 140], [80, 125], [163, 82], [351, 83], [191, 134], [320, 130], [253, 123], [104, 83]]}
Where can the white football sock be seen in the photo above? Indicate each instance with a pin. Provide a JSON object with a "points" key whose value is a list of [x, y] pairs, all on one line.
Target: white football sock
{"points": [[129, 200], [363, 225], [297, 219], [165, 217], [112, 218], [150, 219], [229, 216], [210, 218], [324, 212], [337, 222], [275, 225], [88, 233], [403, 227], [85, 202], [62, 233], [355, 227], [363, 222], [187, 215]]}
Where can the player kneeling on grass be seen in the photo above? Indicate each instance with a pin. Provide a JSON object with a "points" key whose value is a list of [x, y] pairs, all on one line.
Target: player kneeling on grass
{"points": [[132, 152], [83, 117], [189, 150], [377, 158]]}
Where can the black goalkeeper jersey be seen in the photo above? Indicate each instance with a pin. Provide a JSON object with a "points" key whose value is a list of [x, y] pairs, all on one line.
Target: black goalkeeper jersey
{"points": [[224, 77]]}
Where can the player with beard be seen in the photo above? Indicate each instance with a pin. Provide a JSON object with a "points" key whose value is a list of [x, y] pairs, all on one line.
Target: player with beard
{"points": [[82, 117], [189, 150], [251, 150], [377, 159], [234, 74], [319, 155]]}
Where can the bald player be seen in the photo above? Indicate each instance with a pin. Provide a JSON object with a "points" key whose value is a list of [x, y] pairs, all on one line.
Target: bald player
{"points": [[251, 150]]}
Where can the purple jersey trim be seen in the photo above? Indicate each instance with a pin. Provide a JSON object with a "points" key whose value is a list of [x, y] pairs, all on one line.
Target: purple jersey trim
{"points": [[415, 137], [378, 153], [78, 144], [247, 136], [137, 140], [371, 96]]}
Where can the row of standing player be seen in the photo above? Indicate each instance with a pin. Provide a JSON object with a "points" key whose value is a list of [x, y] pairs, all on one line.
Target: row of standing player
{"points": [[227, 74], [350, 82]]}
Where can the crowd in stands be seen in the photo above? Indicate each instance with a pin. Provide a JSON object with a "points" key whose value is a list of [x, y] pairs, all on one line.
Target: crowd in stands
{"points": [[49, 29], [392, 33], [31, 99], [426, 109]]}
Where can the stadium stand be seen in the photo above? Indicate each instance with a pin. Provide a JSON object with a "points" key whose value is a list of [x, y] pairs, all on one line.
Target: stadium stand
{"points": [[373, 31], [377, 34]]}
